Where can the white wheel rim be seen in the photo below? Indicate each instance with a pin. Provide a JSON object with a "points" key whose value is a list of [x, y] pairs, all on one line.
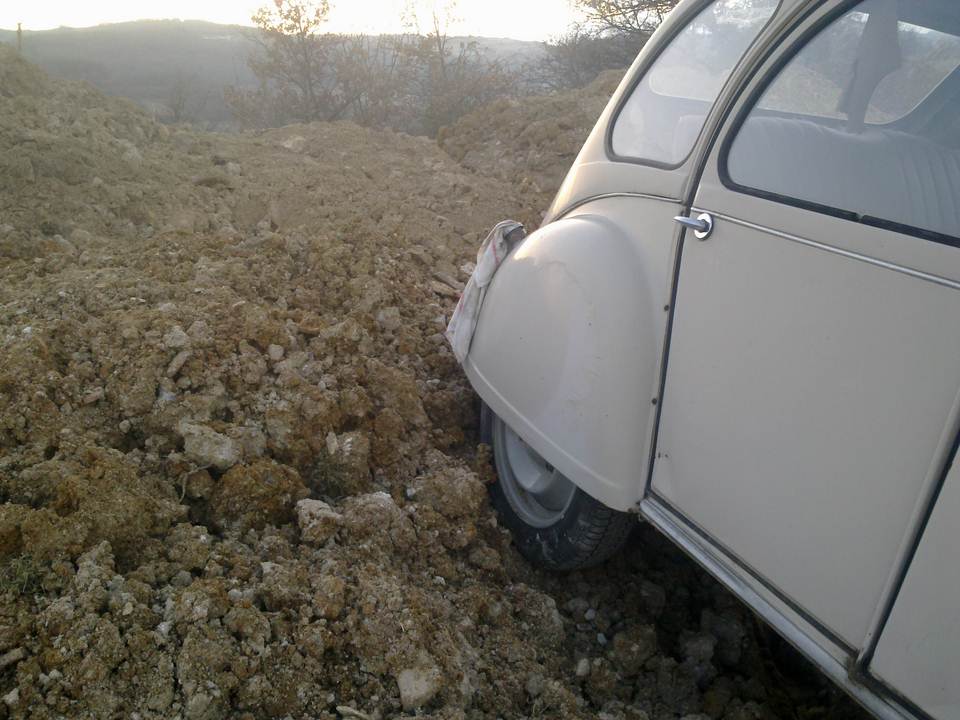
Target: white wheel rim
{"points": [[536, 491]]}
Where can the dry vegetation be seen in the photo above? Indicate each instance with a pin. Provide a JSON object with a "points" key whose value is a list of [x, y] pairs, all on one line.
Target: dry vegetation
{"points": [[237, 459]]}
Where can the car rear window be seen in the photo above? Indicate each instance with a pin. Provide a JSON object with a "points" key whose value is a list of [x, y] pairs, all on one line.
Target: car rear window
{"points": [[663, 116]]}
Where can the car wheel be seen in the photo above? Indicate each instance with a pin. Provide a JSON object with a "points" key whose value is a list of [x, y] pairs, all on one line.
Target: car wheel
{"points": [[554, 523]]}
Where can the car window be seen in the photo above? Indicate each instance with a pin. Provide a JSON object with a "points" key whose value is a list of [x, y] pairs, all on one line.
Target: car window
{"points": [[825, 131], [663, 116]]}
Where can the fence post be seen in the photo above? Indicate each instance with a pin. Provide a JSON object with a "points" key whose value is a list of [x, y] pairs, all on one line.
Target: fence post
{"points": [[19, 39]]}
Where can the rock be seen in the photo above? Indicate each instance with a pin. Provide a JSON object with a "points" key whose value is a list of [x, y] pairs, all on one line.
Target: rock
{"points": [[730, 634], [583, 668], [389, 319], [296, 143], [486, 558], [80, 236], [349, 454], [252, 364], [448, 280], [176, 338], [275, 352], [131, 154], [318, 521], [179, 360], [349, 713], [631, 648], [419, 684], [250, 439], [699, 648], [375, 519], [63, 245], [93, 396], [198, 485], [199, 332], [330, 597], [252, 496], [698, 652], [250, 625], [677, 688], [653, 596], [12, 657], [209, 448], [601, 684], [443, 289], [312, 324]]}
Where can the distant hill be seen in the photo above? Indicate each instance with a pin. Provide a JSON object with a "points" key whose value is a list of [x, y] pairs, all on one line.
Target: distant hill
{"points": [[158, 62]]}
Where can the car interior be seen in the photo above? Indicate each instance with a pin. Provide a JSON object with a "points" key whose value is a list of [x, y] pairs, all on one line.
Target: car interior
{"points": [[843, 161]]}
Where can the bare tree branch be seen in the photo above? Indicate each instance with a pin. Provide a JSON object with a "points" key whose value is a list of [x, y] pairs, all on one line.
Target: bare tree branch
{"points": [[635, 17]]}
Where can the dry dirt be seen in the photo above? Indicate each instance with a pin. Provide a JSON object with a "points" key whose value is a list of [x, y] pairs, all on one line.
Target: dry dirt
{"points": [[238, 462], [530, 143]]}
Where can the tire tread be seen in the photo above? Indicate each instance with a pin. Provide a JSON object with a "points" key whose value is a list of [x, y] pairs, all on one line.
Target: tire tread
{"points": [[588, 535]]}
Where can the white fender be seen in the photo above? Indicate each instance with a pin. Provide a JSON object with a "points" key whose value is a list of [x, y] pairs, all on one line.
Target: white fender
{"points": [[567, 348]]}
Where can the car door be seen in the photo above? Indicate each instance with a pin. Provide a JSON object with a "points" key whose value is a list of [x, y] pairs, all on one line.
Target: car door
{"points": [[809, 397]]}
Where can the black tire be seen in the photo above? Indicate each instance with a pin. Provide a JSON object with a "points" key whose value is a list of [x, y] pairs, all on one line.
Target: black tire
{"points": [[586, 533]]}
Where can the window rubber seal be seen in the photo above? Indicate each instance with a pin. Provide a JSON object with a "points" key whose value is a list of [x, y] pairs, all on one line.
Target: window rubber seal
{"points": [[771, 74], [641, 73]]}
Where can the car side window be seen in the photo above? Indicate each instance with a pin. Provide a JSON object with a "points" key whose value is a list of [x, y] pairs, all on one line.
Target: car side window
{"points": [[862, 121], [663, 116]]}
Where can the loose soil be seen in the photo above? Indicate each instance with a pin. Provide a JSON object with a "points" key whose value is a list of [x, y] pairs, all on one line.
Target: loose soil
{"points": [[238, 462]]}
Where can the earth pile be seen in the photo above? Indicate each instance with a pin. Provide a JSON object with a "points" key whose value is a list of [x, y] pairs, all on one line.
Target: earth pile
{"points": [[238, 462], [530, 143]]}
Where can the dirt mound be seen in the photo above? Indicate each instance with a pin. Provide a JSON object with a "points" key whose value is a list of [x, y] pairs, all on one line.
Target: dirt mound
{"points": [[236, 454], [530, 143], [72, 159]]}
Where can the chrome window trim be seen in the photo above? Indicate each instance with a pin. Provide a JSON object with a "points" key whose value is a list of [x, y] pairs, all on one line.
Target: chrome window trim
{"points": [[576, 205], [919, 274], [787, 44]]}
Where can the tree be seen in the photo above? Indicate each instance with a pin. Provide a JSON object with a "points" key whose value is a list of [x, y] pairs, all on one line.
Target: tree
{"points": [[294, 64], [627, 17], [577, 57], [451, 76], [411, 82], [293, 54], [379, 72], [610, 37], [186, 104]]}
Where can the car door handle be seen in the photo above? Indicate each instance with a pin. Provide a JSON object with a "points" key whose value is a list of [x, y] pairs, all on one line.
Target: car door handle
{"points": [[702, 224]]}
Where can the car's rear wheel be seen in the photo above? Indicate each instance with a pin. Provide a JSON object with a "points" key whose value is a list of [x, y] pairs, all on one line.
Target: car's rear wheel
{"points": [[554, 523]]}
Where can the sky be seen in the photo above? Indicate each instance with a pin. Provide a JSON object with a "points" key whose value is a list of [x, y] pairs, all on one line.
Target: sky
{"points": [[520, 19]]}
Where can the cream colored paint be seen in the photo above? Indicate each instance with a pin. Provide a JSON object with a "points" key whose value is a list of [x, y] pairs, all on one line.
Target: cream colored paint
{"points": [[568, 342], [919, 651]]}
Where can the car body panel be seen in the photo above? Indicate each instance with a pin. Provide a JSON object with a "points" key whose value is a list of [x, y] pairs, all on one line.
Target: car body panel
{"points": [[575, 294], [807, 459], [919, 650]]}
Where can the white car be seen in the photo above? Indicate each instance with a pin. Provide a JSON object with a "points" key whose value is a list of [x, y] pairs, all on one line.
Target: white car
{"points": [[741, 322]]}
